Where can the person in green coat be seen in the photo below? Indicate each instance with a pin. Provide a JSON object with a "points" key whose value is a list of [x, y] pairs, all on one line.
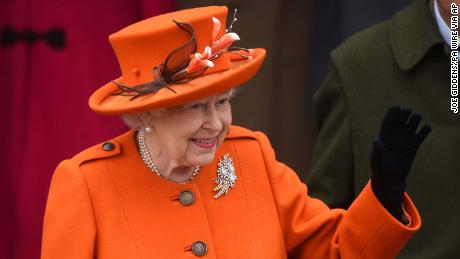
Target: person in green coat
{"points": [[403, 61]]}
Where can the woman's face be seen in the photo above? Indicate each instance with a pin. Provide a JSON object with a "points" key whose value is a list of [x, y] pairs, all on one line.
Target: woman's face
{"points": [[189, 135]]}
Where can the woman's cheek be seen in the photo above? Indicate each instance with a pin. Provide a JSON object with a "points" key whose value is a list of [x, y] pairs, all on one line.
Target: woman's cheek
{"points": [[221, 137]]}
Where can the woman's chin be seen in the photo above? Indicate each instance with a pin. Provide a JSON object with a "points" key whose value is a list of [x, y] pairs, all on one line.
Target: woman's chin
{"points": [[202, 155]]}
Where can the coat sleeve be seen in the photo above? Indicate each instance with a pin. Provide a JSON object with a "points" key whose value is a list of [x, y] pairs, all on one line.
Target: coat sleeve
{"points": [[331, 176], [312, 230], [69, 229]]}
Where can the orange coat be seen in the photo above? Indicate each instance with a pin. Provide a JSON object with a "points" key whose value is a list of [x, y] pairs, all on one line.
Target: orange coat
{"points": [[108, 204]]}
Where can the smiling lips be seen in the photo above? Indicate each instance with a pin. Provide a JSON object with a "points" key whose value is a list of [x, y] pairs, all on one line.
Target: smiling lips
{"points": [[205, 142]]}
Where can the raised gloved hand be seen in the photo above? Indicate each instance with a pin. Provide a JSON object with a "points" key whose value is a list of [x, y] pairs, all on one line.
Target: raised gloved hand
{"points": [[392, 156]]}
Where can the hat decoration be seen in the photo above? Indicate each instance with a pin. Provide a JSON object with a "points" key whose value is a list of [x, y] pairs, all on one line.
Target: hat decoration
{"points": [[175, 58], [184, 64]]}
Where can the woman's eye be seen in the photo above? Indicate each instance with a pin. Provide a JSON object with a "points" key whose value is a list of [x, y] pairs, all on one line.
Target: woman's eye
{"points": [[222, 101], [197, 106]]}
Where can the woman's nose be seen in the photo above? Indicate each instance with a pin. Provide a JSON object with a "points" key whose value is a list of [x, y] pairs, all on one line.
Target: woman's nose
{"points": [[213, 120]]}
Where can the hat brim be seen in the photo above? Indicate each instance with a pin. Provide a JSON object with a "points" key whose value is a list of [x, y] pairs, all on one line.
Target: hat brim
{"points": [[104, 101]]}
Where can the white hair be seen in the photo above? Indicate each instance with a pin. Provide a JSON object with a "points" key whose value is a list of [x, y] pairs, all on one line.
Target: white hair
{"points": [[141, 120]]}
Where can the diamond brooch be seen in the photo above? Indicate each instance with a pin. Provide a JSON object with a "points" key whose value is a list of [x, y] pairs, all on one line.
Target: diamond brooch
{"points": [[226, 176]]}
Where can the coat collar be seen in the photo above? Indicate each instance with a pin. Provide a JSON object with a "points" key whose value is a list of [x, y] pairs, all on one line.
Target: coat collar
{"points": [[413, 34]]}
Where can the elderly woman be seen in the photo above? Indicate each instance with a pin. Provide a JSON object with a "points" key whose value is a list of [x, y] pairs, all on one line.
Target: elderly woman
{"points": [[185, 183]]}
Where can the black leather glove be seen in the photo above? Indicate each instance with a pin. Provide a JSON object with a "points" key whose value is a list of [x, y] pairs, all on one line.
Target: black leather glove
{"points": [[393, 154]]}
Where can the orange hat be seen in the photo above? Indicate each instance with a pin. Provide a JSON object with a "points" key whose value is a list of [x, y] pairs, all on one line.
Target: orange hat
{"points": [[173, 59]]}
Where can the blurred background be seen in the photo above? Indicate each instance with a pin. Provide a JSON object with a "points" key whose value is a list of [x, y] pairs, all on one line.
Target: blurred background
{"points": [[55, 53]]}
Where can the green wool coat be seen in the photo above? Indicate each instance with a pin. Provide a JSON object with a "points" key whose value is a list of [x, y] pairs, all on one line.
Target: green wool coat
{"points": [[405, 62]]}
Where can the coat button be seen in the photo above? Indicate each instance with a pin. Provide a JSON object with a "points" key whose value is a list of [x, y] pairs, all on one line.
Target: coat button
{"points": [[186, 198], [199, 248], [108, 146]]}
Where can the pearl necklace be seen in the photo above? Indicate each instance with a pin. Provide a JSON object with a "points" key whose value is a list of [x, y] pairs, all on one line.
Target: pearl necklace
{"points": [[145, 155]]}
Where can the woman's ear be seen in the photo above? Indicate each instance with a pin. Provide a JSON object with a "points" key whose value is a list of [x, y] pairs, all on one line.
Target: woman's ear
{"points": [[146, 118]]}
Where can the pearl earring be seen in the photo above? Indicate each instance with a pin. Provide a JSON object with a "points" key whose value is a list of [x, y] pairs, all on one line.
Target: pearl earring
{"points": [[147, 124]]}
